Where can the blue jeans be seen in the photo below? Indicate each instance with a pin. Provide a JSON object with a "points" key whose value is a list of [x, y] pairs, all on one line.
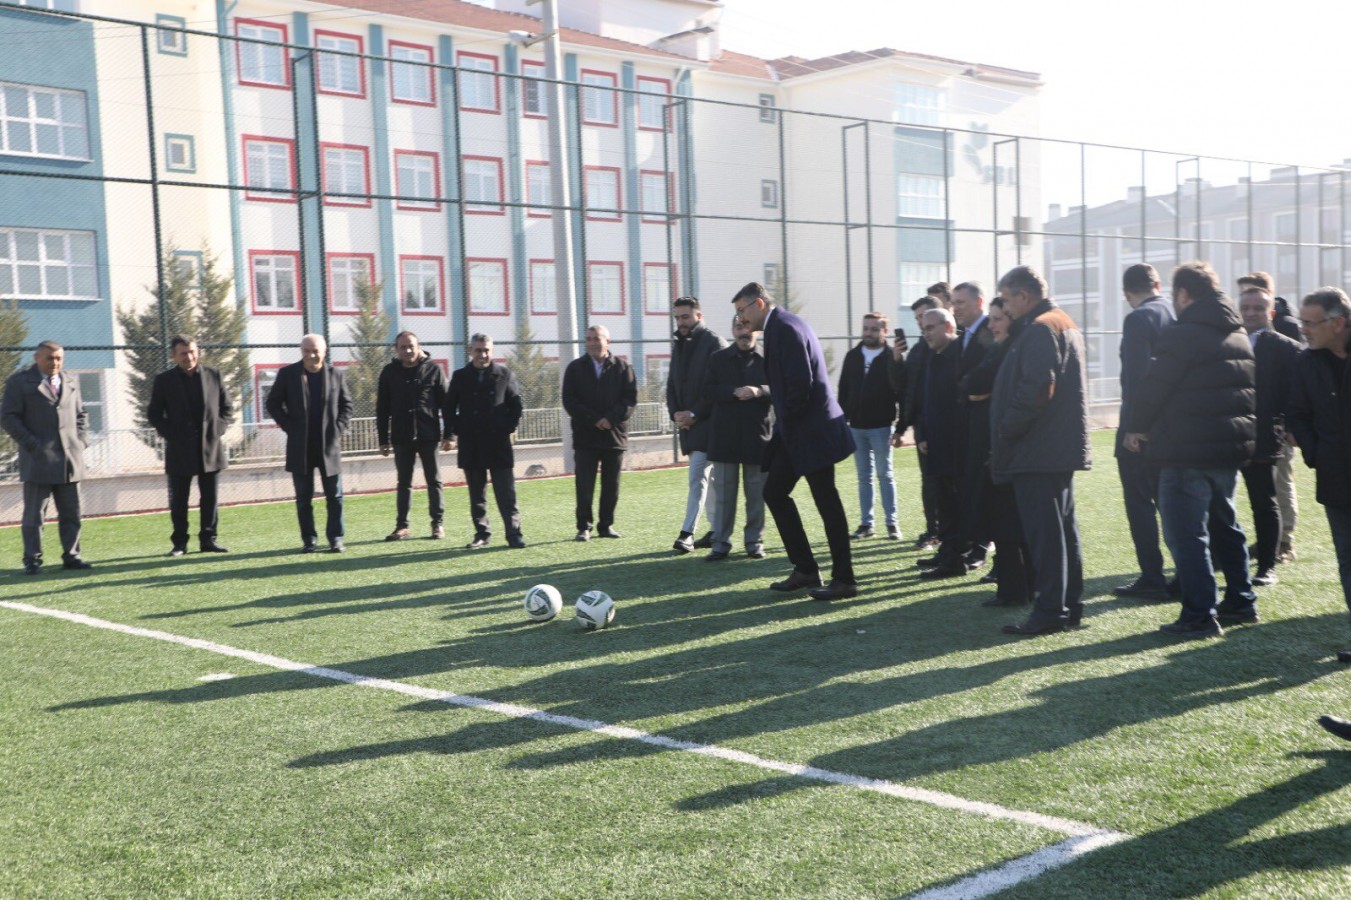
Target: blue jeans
{"points": [[872, 451], [1200, 526], [304, 485]]}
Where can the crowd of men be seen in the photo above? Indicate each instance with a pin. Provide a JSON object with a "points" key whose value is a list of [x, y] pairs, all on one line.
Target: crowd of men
{"points": [[994, 393]]}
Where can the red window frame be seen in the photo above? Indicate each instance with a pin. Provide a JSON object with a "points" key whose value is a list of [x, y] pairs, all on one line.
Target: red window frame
{"points": [[530, 277], [285, 55], [365, 168], [430, 73], [244, 140], [501, 210], [526, 65], [361, 63], [666, 114], [530, 211], [506, 285], [259, 398], [672, 275], [253, 281], [623, 304], [328, 274], [614, 97], [441, 286], [662, 219], [419, 206], [496, 109], [619, 194]]}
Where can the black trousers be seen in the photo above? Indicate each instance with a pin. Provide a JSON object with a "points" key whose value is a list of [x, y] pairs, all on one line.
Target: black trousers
{"points": [[180, 487], [1046, 509], [778, 493], [1260, 480], [406, 453], [946, 504], [926, 496], [1013, 573], [610, 462], [504, 492], [304, 485], [1140, 490], [35, 497]]}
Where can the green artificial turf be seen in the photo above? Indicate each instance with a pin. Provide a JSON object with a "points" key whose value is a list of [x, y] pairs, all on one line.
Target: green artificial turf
{"points": [[124, 775]]}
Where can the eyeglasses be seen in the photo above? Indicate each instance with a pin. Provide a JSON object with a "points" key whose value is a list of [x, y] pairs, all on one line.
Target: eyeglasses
{"points": [[1305, 323], [741, 309]]}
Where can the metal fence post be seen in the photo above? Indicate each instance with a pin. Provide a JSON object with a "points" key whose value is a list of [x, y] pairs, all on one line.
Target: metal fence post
{"points": [[160, 287]]}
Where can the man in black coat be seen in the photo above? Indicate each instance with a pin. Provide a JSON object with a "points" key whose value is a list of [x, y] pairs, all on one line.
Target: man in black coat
{"points": [[907, 384], [1194, 413], [691, 347], [408, 401], [872, 404], [736, 396], [937, 422], [191, 411], [310, 403], [600, 393], [1039, 439], [1150, 315], [483, 409], [1319, 416], [1275, 356]]}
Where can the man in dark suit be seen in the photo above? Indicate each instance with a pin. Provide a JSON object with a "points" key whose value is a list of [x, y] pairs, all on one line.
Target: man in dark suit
{"points": [[810, 437], [43, 413], [736, 397], [483, 408], [309, 401], [938, 434], [191, 411], [907, 384], [1150, 315], [691, 346], [600, 393], [1275, 356], [408, 401]]}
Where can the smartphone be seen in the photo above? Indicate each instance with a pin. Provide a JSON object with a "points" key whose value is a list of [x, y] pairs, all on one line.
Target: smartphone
{"points": [[901, 342]]}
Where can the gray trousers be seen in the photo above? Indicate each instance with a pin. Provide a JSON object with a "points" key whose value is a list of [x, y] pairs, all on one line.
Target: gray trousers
{"points": [[702, 484], [35, 497], [752, 479], [1285, 492]]}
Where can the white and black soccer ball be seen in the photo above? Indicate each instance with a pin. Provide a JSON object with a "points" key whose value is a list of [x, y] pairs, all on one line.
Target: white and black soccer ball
{"points": [[543, 602], [595, 610]]}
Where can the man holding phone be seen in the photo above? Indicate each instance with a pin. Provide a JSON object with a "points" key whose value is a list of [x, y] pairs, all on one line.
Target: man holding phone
{"points": [[871, 402]]}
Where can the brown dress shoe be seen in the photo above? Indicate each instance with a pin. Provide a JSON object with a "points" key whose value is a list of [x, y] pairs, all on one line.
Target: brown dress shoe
{"points": [[796, 581]]}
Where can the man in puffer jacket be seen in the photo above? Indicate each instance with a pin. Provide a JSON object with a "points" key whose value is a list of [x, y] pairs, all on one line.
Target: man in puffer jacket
{"points": [[1195, 414]]}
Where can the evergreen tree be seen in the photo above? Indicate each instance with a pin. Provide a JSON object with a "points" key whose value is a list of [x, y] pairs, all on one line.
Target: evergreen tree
{"points": [[370, 329], [221, 325], [537, 376], [13, 333], [148, 336]]}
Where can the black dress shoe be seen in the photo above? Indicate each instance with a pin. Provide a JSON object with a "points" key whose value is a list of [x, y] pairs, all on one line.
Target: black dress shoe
{"points": [[178, 551], [32, 568], [716, 555], [1031, 628], [928, 562], [309, 547], [1334, 725], [74, 562], [705, 542], [611, 533], [336, 547], [755, 554], [862, 532], [684, 542], [796, 581], [583, 536], [478, 543], [836, 590], [944, 571], [516, 543], [1343, 656], [1141, 590], [213, 547], [988, 578]]}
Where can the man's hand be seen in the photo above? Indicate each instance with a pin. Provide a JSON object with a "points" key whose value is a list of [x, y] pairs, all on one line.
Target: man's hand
{"points": [[604, 425], [748, 392], [384, 449], [1134, 441], [923, 446], [896, 439], [448, 444], [684, 419], [898, 351]]}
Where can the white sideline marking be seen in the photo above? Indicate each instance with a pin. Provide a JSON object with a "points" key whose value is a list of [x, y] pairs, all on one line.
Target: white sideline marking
{"points": [[1083, 837], [217, 676]]}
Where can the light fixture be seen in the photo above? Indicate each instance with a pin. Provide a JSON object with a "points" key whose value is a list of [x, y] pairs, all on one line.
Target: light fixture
{"points": [[526, 39], [702, 29]]}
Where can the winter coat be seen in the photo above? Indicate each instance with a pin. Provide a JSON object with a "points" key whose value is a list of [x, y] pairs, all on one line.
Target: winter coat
{"points": [[482, 414], [689, 364], [408, 402], [588, 399]]}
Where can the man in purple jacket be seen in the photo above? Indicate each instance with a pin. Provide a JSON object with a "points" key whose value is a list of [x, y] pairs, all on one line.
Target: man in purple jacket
{"points": [[810, 437]]}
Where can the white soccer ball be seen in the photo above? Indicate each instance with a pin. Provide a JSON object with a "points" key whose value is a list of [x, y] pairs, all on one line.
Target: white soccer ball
{"points": [[543, 602], [595, 610]]}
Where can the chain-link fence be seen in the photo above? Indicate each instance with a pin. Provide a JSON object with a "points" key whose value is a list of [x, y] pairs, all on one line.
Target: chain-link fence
{"points": [[254, 186]]}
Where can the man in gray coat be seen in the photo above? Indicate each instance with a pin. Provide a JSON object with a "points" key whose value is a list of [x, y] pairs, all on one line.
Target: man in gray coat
{"points": [[691, 348], [42, 412]]}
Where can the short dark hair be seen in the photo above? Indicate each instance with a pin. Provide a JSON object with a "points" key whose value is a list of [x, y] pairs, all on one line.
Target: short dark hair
{"points": [[941, 289], [925, 302], [1333, 300], [753, 291], [1260, 280], [404, 334], [972, 286], [1198, 279], [881, 317], [1025, 279], [478, 337], [49, 346], [691, 302], [1139, 278], [180, 339], [997, 303]]}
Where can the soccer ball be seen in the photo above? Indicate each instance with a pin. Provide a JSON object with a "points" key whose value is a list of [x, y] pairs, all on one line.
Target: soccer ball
{"points": [[595, 610], [543, 602]]}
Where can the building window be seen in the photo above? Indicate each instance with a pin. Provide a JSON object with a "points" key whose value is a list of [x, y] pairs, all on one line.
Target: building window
{"points": [[600, 103], [772, 275], [420, 281], [658, 289], [347, 274], [919, 196], [534, 94], [48, 265], [170, 38], [417, 174], [275, 276], [482, 186], [478, 88], [769, 113], [180, 153], [605, 288], [487, 286], [1285, 227], [409, 82], [92, 397], [543, 287], [43, 121], [769, 193], [269, 163], [600, 191], [538, 189], [652, 114], [188, 268], [346, 170], [259, 64], [345, 75], [918, 104], [263, 379], [915, 279], [655, 199], [58, 5]]}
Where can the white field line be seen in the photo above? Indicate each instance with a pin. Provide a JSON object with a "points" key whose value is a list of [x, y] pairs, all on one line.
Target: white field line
{"points": [[1083, 837]]}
